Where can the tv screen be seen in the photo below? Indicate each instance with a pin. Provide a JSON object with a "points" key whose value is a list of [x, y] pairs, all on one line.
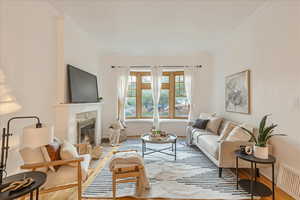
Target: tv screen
{"points": [[83, 87]]}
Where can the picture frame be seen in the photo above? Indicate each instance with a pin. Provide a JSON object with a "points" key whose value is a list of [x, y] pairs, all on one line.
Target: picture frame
{"points": [[237, 92]]}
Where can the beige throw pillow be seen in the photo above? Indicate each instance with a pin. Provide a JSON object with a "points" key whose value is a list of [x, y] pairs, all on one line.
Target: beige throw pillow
{"points": [[68, 151], [31, 156], [238, 134], [227, 129], [214, 124]]}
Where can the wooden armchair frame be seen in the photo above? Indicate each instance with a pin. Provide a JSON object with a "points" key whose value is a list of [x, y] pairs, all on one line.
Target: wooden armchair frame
{"points": [[35, 166]]}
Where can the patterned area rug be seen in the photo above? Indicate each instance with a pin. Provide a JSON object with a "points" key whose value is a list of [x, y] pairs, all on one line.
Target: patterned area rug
{"points": [[191, 176]]}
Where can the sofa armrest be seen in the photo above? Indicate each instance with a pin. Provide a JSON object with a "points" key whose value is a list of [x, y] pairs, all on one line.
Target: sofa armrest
{"points": [[190, 122], [227, 156]]}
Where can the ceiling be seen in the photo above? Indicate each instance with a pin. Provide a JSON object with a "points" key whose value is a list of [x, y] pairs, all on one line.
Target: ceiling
{"points": [[147, 27]]}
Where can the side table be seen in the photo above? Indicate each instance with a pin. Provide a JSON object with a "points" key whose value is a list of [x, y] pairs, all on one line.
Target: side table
{"points": [[254, 187], [39, 180]]}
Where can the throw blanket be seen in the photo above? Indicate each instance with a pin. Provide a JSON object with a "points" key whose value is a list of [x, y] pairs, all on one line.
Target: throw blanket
{"points": [[131, 158]]}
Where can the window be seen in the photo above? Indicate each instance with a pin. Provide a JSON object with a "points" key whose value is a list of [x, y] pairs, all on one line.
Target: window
{"points": [[173, 103]]}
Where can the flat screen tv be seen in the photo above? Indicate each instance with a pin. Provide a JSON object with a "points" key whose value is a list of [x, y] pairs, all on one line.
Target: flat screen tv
{"points": [[83, 86]]}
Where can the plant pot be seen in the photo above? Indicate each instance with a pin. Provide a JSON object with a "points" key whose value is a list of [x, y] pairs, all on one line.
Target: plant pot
{"points": [[261, 152]]}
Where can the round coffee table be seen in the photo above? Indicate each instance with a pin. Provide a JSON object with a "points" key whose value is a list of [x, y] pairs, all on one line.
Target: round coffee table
{"points": [[169, 139]]}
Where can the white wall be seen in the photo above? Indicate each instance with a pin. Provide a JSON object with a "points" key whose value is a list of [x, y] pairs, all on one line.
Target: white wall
{"points": [[75, 48], [268, 44], [35, 43], [109, 86], [28, 58], [29, 55]]}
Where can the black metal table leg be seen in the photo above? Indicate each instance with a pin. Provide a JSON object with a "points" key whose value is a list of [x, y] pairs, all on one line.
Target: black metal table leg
{"points": [[37, 194], [251, 186], [175, 150], [31, 195], [273, 184], [143, 148], [237, 172], [255, 173]]}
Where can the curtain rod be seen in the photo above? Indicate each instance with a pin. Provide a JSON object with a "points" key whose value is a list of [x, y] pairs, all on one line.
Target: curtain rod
{"points": [[197, 66]]}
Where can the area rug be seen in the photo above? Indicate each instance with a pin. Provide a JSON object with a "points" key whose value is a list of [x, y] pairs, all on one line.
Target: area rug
{"points": [[191, 176]]}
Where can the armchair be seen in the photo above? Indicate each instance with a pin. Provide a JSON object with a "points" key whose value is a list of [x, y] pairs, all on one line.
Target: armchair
{"points": [[71, 173], [50, 186]]}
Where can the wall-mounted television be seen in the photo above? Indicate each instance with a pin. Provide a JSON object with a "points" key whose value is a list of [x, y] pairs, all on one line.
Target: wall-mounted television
{"points": [[83, 86]]}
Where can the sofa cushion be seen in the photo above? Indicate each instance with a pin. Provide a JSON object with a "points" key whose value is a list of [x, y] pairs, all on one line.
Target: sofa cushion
{"points": [[210, 144], [198, 132], [214, 124], [67, 174], [229, 126], [200, 123], [206, 115], [238, 134]]}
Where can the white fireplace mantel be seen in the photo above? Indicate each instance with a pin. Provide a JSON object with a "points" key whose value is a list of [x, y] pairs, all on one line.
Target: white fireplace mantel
{"points": [[66, 122]]}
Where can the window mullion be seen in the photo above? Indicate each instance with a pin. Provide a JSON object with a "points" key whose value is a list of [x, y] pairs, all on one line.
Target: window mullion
{"points": [[172, 96], [138, 95]]}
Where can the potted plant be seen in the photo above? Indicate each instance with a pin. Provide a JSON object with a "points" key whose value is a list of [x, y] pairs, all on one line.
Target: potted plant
{"points": [[264, 134]]}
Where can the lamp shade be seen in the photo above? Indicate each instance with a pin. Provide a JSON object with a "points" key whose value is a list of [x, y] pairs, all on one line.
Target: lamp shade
{"points": [[36, 137]]}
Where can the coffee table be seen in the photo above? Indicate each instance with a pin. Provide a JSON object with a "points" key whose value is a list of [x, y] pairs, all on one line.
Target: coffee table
{"points": [[169, 139]]}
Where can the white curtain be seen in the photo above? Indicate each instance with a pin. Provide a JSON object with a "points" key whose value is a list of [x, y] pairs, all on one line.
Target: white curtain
{"points": [[190, 75], [122, 85], [156, 73]]}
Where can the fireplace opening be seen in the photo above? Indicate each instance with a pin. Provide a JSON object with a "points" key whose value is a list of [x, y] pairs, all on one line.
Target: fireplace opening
{"points": [[86, 129]]}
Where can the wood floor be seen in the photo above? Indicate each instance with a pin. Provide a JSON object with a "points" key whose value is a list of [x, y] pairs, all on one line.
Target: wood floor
{"points": [[70, 194]]}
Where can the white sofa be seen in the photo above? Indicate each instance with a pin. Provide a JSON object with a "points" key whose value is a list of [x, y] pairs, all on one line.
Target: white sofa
{"points": [[221, 153]]}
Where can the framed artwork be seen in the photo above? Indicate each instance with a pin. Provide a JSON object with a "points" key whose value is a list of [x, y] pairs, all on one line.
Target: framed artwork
{"points": [[237, 92]]}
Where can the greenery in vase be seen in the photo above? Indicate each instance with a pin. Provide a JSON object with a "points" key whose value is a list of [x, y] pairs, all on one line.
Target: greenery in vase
{"points": [[264, 132]]}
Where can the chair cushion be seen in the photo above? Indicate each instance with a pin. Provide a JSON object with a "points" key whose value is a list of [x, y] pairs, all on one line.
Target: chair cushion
{"points": [[31, 156], [68, 151], [51, 152], [67, 174], [210, 144]]}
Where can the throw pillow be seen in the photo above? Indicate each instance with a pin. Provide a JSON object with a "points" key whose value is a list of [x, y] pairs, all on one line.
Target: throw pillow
{"points": [[214, 124], [238, 134], [227, 129], [31, 156], [200, 123], [51, 152], [68, 151]]}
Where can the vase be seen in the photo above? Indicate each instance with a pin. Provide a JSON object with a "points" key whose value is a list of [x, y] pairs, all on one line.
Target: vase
{"points": [[261, 152]]}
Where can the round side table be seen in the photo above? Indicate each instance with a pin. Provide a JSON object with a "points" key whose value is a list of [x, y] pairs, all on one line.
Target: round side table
{"points": [[254, 187], [39, 180]]}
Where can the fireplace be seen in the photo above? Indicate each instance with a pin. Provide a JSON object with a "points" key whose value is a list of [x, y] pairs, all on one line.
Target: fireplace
{"points": [[86, 128]]}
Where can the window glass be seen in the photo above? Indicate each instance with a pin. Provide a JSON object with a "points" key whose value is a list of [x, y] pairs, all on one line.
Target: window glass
{"points": [[146, 79], [130, 106], [181, 107], [163, 105], [165, 79], [147, 103]]}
